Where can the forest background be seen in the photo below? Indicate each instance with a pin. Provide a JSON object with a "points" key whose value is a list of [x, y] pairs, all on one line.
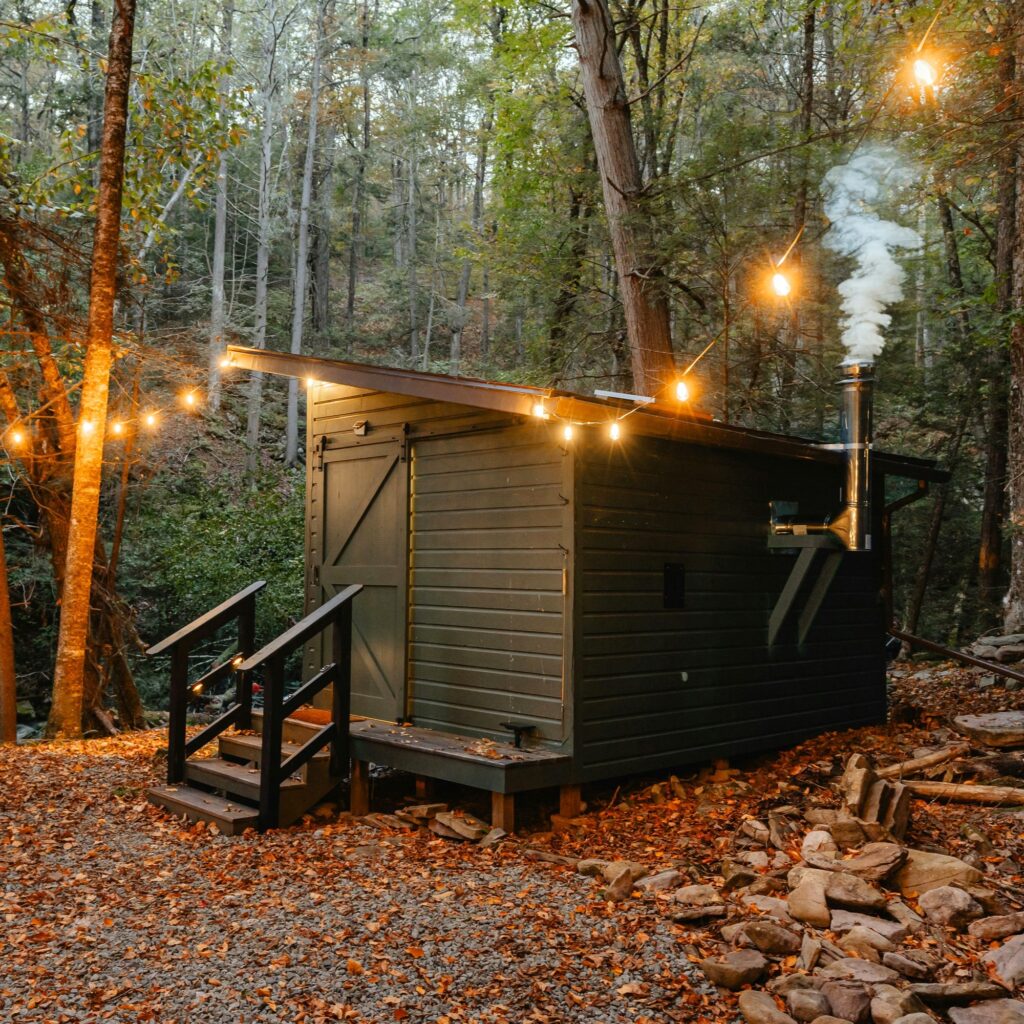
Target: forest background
{"points": [[415, 184]]}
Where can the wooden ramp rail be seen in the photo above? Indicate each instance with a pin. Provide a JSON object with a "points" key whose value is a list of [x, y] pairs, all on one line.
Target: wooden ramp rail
{"points": [[241, 607], [336, 612]]}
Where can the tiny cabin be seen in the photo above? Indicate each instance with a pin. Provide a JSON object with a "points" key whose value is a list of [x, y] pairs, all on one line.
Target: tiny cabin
{"points": [[548, 607]]}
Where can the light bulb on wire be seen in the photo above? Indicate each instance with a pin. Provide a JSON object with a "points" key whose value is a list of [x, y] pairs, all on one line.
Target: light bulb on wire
{"points": [[615, 431], [567, 432], [150, 419], [17, 437], [781, 284], [682, 391], [925, 73]]}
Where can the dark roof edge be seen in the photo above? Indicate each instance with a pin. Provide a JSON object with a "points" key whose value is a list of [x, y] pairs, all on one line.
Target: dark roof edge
{"points": [[519, 399]]}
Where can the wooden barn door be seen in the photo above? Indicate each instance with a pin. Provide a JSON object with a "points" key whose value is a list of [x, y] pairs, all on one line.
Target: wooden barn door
{"points": [[364, 501]]}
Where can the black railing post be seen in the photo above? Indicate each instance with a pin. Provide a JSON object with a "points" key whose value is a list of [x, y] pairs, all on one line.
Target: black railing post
{"points": [[176, 714], [270, 758], [246, 643], [341, 704]]}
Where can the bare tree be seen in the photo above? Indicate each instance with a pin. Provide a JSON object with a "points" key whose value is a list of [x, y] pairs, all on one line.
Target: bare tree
{"points": [[641, 283]]}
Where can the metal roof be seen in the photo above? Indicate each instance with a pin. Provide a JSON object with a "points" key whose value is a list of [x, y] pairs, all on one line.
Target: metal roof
{"points": [[519, 399]]}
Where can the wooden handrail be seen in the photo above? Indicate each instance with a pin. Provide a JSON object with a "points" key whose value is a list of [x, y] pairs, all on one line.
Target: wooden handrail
{"points": [[210, 622], [337, 613], [308, 627], [242, 606]]}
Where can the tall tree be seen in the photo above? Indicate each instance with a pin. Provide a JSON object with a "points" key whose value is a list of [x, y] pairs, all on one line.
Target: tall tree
{"points": [[302, 242], [641, 279], [220, 234], [69, 669]]}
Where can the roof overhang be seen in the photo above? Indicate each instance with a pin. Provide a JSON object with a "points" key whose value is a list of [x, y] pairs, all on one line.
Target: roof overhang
{"points": [[519, 400]]}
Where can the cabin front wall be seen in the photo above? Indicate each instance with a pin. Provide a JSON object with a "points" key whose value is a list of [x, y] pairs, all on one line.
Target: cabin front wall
{"points": [[456, 522], [660, 685]]}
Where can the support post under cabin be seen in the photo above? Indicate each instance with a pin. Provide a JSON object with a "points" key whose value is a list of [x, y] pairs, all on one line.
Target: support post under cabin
{"points": [[503, 811], [359, 789]]}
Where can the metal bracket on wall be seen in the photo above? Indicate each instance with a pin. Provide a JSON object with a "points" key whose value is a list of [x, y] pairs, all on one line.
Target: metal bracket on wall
{"points": [[810, 547]]}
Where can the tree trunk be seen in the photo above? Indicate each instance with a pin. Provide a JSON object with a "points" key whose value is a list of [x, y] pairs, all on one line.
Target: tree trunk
{"points": [[220, 234], [414, 341], [69, 668], [259, 340], [302, 245], [990, 546], [355, 250], [641, 281], [1014, 606], [8, 692]]}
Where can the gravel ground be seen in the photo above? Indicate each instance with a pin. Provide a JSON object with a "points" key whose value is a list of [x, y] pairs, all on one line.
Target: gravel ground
{"points": [[112, 911]]}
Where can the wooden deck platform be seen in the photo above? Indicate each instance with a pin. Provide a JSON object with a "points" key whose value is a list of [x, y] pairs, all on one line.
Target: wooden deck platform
{"points": [[485, 764]]}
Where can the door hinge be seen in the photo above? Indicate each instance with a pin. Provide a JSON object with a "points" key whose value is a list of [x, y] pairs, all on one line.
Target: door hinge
{"points": [[321, 447], [316, 575]]}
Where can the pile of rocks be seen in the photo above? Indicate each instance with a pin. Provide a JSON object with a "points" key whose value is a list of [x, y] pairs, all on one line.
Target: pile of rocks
{"points": [[1007, 650], [458, 825], [824, 916]]}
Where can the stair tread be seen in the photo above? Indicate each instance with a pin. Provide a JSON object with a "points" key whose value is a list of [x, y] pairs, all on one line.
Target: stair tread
{"points": [[254, 742], [232, 772], [184, 799]]}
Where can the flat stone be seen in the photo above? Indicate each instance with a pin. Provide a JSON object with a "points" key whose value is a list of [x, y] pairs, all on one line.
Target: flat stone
{"points": [[818, 841], [907, 966], [923, 871], [612, 870], [996, 1011], [957, 993], [915, 1018], [989, 929], [1007, 962], [827, 1018], [910, 919], [844, 920], [698, 896], [864, 942], [995, 729], [735, 969], [849, 1000], [888, 1004], [807, 901], [772, 938], [660, 881], [853, 893], [810, 951], [620, 883], [783, 984], [854, 969], [950, 907], [493, 837], [770, 906], [760, 1008], [756, 830], [807, 1004], [464, 825], [875, 861], [1008, 654]]}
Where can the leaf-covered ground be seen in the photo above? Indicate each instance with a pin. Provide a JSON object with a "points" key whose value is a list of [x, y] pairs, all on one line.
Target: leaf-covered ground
{"points": [[113, 911]]}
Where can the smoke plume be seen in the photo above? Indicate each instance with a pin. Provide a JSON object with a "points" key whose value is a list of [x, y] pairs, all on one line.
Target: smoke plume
{"points": [[851, 192]]}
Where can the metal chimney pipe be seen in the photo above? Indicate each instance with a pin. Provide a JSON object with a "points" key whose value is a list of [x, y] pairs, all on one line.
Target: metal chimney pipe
{"points": [[855, 431]]}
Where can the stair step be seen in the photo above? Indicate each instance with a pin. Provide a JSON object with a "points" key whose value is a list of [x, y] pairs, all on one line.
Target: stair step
{"points": [[237, 779], [250, 748], [199, 805]]}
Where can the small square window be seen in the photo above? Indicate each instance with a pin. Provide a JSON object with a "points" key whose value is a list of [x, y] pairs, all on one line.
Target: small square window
{"points": [[675, 585]]}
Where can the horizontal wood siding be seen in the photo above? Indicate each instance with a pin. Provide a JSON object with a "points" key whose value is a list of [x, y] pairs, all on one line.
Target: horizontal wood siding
{"points": [[659, 687], [489, 522]]}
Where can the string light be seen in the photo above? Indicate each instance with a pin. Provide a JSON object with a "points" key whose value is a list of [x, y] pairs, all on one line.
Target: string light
{"points": [[781, 284], [682, 391], [226, 363], [539, 411], [567, 432], [117, 427], [190, 399], [150, 419], [925, 73], [85, 426], [615, 431], [310, 383], [17, 437]]}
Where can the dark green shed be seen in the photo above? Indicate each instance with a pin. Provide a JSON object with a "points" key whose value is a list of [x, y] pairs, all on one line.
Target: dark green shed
{"points": [[618, 606]]}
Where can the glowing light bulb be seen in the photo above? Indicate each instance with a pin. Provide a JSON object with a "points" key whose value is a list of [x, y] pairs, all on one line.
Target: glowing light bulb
{"points": [[85, 426], [539, 411], [924, 72], [682, 391], [567, 432], [225, 362], [615, 431], [310, 383], [150, 419], [781, 285], [189, 398], [117, 427], [17, 437]]}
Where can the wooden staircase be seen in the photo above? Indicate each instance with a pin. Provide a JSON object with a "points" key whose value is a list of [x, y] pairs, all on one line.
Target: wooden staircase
{"points": [[270, 776]]}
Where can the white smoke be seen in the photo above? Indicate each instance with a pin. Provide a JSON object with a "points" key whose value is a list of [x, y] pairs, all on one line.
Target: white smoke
{"points": [[851, 191]]}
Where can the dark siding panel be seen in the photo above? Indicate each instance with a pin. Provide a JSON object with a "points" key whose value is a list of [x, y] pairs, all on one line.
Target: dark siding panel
{"points": [[489, 523], [658, 687]]}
